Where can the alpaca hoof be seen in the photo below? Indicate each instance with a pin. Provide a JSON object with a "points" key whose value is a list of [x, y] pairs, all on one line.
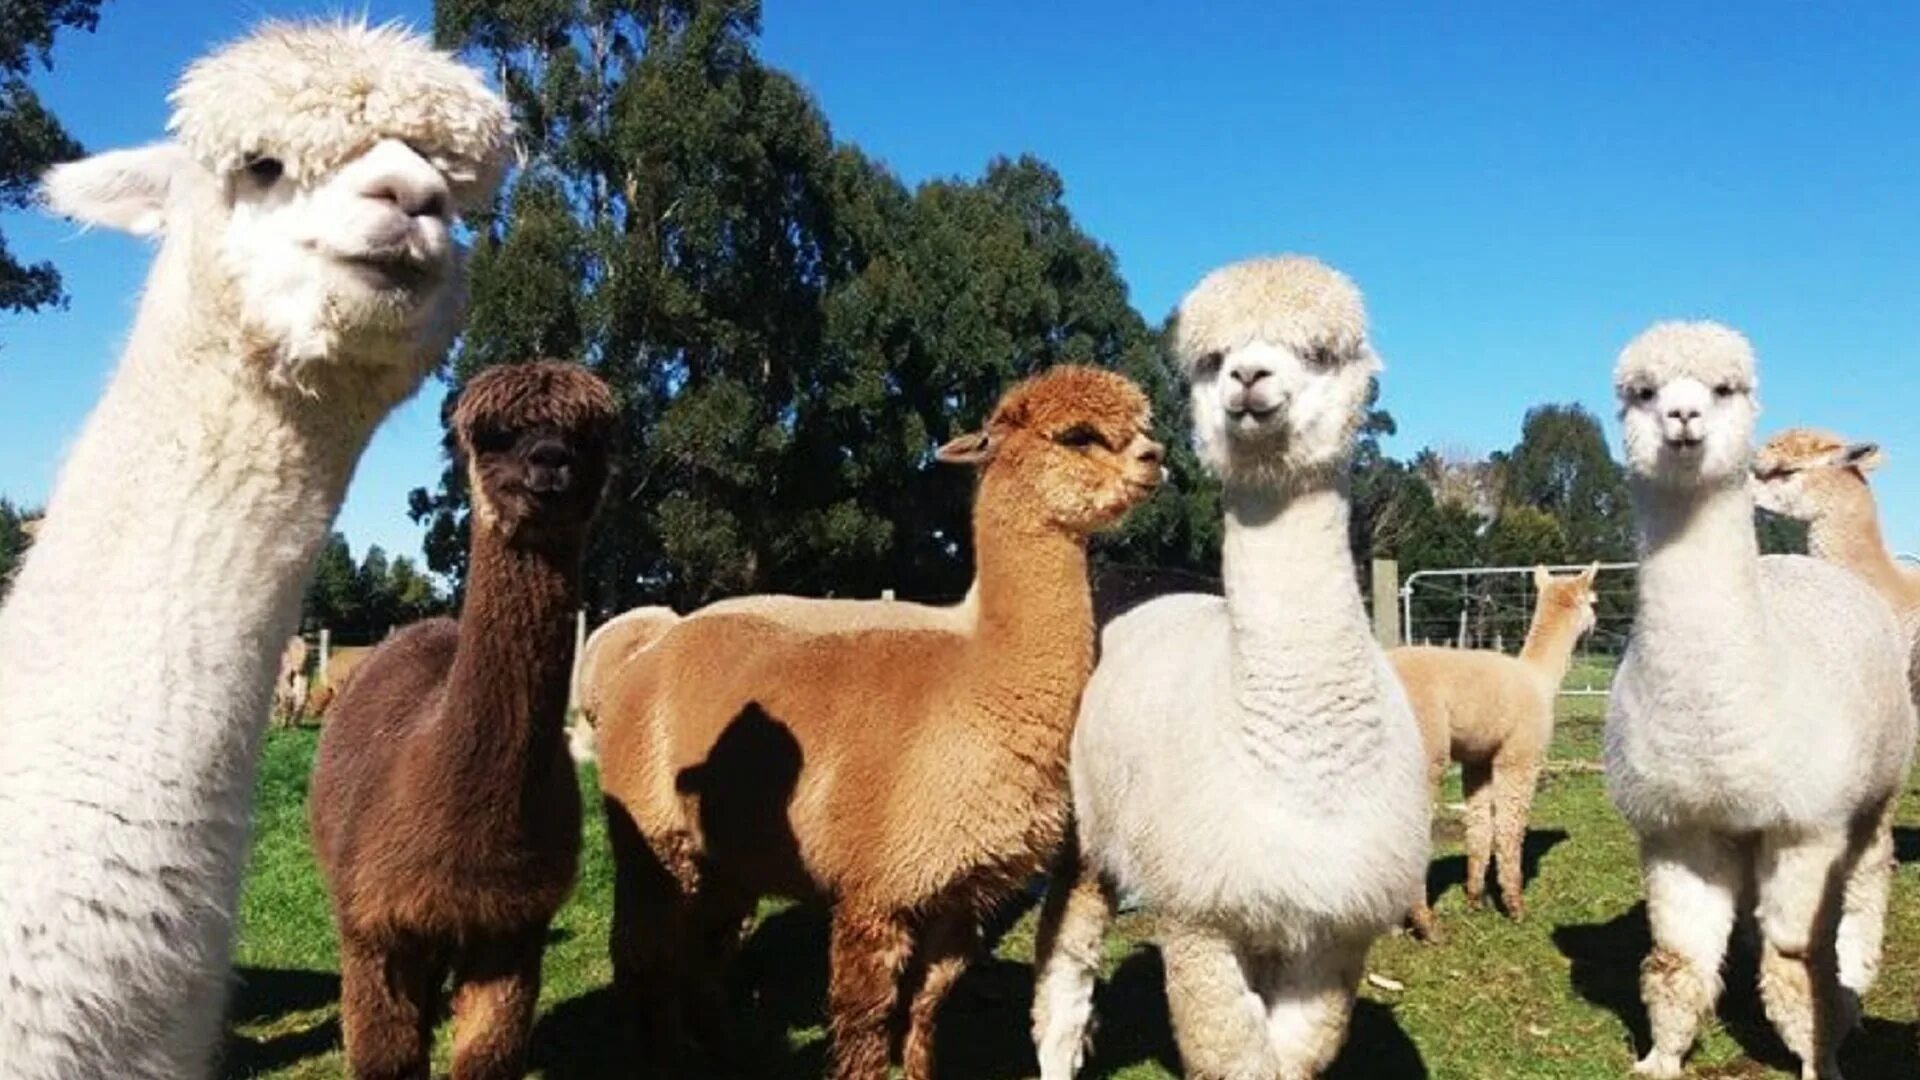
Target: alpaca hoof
{"points": [[1517, 909], [1475, 902], [1658, 1065]]}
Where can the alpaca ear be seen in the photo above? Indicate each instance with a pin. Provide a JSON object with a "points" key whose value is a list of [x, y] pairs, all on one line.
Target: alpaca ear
{"points": [[1592, 570], [1541, 577], [1864, 456], [120, 189], [973, 448]]}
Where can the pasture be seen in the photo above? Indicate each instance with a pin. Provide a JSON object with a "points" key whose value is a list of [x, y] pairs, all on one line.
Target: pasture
{"points": [[1553, 997]]}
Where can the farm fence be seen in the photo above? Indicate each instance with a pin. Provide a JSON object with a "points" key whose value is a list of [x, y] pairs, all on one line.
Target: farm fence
{"points": [[1490, 607]]}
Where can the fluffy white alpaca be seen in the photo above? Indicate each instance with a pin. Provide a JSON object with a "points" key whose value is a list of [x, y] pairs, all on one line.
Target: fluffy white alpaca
{"points": [[1759, 726], [1248, 766], [306, 281]]}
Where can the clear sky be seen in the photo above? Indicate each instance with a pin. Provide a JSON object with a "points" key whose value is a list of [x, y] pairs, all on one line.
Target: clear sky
{"points": [[1518, 188]]}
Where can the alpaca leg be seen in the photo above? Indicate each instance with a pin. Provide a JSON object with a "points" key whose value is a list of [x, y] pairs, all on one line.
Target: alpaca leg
{"points": [[866, 956], [1067, 959], [947, 945], [1421, 916], [386, 1009], [1476, 778], [649, 929], [1513, 787], [1692, 881], [1863, 915], [1801, 892], [1309, 1003], [1219, 1020], [496, 985]]}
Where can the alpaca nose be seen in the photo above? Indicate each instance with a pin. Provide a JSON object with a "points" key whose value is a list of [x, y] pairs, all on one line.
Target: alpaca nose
{"points": [[549, 467], [1151, 453], [1248, 374], [407, 181], [1686, 414]]}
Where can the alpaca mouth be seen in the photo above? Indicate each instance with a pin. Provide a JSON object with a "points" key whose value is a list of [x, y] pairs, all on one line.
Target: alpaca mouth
{"points": [[391, 269], [1252, 413], [1685, 443]]}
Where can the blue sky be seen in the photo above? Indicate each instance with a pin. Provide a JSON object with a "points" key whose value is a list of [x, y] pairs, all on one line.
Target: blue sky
{"points": [[1518, 188]]}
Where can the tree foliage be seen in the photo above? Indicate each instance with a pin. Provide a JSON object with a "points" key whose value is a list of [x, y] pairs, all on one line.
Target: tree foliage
{"points": [[790, 329], [30, 137], [13, 541], [360, 603]]}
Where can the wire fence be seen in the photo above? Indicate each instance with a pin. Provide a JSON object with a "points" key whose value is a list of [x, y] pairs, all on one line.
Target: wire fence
{"points": [[1490, 607]]}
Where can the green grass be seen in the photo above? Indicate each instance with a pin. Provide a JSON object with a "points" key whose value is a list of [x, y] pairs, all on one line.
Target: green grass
{"points": [[1554, 996]]}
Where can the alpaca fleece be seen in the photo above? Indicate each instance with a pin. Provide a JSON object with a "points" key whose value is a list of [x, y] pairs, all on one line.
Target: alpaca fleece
{"points": [[186, 519], [1493, 713], [445, 812], [913, 775], [1759, 727], [1248, 766]]}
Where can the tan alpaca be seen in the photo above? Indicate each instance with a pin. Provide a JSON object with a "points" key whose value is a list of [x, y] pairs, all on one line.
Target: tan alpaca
{"points": [[1493, 713], [913, 775], [1820, 478]]}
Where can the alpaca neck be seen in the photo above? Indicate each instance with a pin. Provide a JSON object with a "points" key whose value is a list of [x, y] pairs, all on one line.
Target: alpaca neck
{"points": [[1699, 577], [1033, 640], [1303, 658], [1847, 533], [1285, 553], [1550, 641], [506, 695]]}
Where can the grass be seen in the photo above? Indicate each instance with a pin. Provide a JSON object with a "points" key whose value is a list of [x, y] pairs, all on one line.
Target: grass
{"points": [[1553, 997]]}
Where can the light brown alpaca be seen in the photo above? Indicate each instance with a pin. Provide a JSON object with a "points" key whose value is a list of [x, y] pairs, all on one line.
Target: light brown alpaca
{"points": [[913, 777], [1820, 478], [1493, 713]]}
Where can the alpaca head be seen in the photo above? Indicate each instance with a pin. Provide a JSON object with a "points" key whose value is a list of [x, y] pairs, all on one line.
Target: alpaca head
{"points": [[1276, 352], [1687, 404], [309, 192], [1069, 446], [1567, 598], [1803, 473], [535, 440]]}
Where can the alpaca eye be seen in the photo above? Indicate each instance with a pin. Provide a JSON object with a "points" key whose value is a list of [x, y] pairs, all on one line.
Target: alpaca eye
{"points": [[1723, 391], [1209, 363], [265, 171], [1643, 394], [1079, 437]]}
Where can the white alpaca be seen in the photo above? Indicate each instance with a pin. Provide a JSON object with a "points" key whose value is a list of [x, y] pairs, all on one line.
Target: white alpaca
{"points": [[306, 282], [1759, 727], [1249, 767]]}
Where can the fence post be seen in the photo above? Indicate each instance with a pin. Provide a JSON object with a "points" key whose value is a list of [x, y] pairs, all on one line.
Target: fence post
{"points": [[326, 653], [886, 594], [1386, 607], [579, 646]]}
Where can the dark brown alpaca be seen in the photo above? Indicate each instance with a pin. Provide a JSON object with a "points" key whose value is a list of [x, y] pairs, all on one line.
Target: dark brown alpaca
{"points": [[446, 816]]}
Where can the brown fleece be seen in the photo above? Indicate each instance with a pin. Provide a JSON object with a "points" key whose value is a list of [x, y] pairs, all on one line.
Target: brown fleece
{"points": [[445, 813], [912, 776]]}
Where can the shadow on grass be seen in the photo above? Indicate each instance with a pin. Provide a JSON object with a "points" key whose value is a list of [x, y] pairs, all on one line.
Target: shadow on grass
{"points": [[1450, 871], [1906, 844], [263, 996], [1606, 958]]}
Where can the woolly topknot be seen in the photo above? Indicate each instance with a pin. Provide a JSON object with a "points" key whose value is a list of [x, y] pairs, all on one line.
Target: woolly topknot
{"points": [[1707, 352], [314, 95], [1294, 301], [552, 393], [1072, 394]]}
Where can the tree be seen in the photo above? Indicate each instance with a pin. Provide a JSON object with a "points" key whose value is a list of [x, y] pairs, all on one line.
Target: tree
{"points": [[790, 329], [360, 604], [1562, 466], [13, 541], [31, 138]]}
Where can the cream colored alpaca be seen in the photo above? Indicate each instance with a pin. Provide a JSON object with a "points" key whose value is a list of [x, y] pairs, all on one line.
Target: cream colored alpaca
{"points": [[306, 282], [1821, 479], [1249, 766], [619, 638], [1759, 727], [1493, 713]]}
